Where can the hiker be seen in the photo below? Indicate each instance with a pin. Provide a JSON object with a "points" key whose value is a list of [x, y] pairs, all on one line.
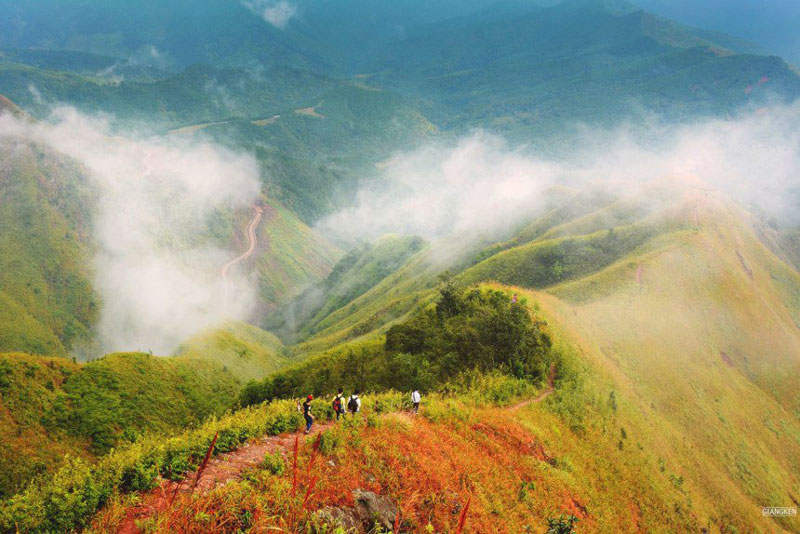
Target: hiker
{"points": [[338, 404], [354, 404], [307, 413], [514, 299], [415, 400]]}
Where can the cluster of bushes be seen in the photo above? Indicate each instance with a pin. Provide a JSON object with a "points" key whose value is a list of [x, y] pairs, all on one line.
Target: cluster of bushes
{"points": [[466, 330], [67, 500], [124, 394], [53, 407]]}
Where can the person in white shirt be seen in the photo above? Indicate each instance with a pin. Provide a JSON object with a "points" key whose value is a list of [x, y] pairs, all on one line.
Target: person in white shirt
{"points": [[415, 400]]}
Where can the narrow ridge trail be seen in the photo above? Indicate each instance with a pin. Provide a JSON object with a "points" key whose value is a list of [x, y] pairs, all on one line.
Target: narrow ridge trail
{"points": [[220, 470], [229, 466], [549, 390], [251, 237]]}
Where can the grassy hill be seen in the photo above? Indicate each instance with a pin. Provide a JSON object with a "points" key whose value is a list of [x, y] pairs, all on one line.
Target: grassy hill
{"points": [[243, 350], [664, 389], [517, 469], [355, 273], [48, 303], [290, 256], [52, 408], [679, 327], [669, 328], [644, 378]]}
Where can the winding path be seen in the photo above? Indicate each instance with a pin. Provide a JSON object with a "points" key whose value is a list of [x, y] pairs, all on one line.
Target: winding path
{"points": [[549, 390], [229, 466], [220, 469], [252, 238]]}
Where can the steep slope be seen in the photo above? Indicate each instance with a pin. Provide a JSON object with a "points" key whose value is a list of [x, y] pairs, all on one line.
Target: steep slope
{"points": [[52, 408], [247, 352], [289, 257], [691, 331], [48, 303], [355, 273], [698, 334], [496, 468]]}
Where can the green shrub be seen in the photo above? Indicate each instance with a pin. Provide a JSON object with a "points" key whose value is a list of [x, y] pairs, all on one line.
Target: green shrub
{"points": [[273, 463], [476, 331], [562, 525]]}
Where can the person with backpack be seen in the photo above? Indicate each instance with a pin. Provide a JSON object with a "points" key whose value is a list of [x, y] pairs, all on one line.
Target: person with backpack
{"points": [[354, 404], [415, 400], [338, 404], [307, 413]]}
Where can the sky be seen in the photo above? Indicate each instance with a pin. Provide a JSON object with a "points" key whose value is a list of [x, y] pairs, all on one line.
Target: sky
{"points": [[773, 24]]}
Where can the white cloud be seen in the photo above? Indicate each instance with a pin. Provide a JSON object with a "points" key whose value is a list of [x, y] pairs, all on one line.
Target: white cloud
{"points": [[276, 12], [481, 186], [154, 267]]}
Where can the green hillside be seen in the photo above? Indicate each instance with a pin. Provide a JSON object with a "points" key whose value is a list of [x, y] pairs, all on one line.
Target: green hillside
{"points": [[290, 256], [52, 408], [48, 303], [621, 358], [669, 326], [243, 350], [355, 273]]}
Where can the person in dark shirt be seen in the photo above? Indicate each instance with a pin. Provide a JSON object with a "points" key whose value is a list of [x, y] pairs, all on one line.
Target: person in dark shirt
{"points": [[307, 413]]}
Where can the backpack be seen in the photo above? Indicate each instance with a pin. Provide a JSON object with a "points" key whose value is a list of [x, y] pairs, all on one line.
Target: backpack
{"points": [[337, 404], [352, 405]]}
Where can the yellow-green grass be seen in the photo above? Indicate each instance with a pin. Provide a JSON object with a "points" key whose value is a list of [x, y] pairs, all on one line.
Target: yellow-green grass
{"points": [[356, 273], [518, 467], [46, 300], [290, 255], [246, 351], [29, 385], [696, 332], [704, 361], [66, 501], [374, 311]]}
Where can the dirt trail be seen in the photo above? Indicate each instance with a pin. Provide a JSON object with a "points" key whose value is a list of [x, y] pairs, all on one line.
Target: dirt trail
{"points": [[252, 238], [220, 470], [549, 390], [229, 466]]}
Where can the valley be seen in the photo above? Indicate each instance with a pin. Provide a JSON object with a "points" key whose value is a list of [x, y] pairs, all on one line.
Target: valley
{"points": [[570, 224]]}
